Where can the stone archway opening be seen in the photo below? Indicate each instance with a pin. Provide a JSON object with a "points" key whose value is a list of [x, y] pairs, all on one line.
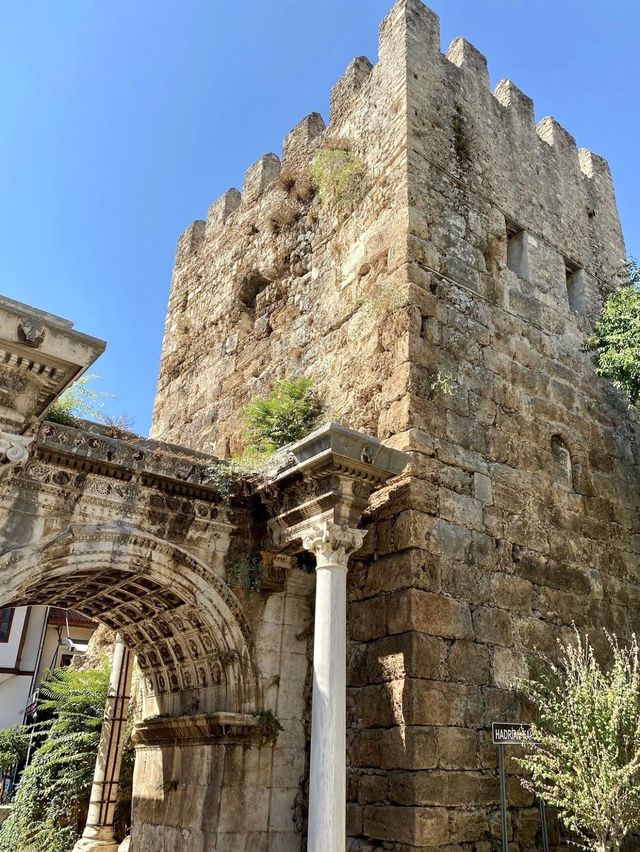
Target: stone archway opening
{"points": [[189, 636], [181, 620]]}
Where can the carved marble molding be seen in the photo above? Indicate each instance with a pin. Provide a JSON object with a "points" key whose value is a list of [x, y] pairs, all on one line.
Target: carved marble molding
{"points": [[332, 544], [195, 730], [14, 450]]}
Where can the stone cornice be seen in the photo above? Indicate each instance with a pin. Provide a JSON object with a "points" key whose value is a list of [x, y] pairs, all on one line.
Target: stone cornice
{"points": [[326, 477], [168, 468], [40, 355], [194, 730]]}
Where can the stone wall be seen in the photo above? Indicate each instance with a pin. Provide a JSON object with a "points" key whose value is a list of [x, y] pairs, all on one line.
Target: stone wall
{"points": [[228, 792], [445, 314]]}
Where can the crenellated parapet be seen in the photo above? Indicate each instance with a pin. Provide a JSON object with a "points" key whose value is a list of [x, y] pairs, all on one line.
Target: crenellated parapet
{"points": [[460, 186]]}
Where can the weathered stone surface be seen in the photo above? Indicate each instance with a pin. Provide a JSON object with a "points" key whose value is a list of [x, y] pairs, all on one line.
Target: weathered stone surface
{"points": [[423, 323]]}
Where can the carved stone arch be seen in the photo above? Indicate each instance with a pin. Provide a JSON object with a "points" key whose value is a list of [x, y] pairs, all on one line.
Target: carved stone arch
{"points": [[180, 618]]}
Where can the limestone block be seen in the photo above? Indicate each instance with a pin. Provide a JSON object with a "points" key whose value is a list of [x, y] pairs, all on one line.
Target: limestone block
{"points": [[354, 818], [469, 662], [509, 668], [492, 625], [462, 580], [457, 748], [450, 538], [429, 613], [511, 592], [411, 568], [415, 826], [243, 809], [372, 788], [468, 826], [282, 808], [448, 789], [460, 509], [411, 654], [427, 702], [395, 748], [482, 489]]}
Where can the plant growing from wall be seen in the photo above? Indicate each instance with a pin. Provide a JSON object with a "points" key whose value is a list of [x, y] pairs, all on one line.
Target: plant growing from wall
{"points": [[53, 795], [386, 301], [76, 402], [337, 174], [586, 760], [268, 728], [288, 413], [246, 573], [615, 341], [444, 384]]}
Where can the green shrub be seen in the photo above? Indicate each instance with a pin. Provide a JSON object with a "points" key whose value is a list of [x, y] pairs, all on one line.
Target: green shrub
{"points": [[615, 341], [586, 756], [14, 743], [51, 804], [77, 401], [287, 414], [337, 175]]}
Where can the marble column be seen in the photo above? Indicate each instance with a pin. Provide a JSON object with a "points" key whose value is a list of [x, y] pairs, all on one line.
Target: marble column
{"points": [[332, 545], [98, 833]]}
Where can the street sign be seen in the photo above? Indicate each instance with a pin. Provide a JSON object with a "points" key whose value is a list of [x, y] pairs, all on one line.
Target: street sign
{"points": [[513, 734], [510, 733]]}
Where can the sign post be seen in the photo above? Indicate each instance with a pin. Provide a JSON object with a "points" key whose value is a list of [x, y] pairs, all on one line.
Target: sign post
{"points": [[513, 733]]}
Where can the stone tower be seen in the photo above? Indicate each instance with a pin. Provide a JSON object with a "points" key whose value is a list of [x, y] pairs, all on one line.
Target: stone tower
{"points": [[443, 309]]}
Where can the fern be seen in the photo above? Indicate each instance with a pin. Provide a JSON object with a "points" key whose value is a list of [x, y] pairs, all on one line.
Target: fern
{"points": [[51, 803]]}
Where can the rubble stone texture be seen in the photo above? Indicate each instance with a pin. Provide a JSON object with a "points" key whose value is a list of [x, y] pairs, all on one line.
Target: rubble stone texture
{"points": [[444, 313]]}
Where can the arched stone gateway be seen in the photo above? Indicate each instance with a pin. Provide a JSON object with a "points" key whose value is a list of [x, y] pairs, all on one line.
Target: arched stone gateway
{"points": [[182, 621], [140, 535], [190, 638]]}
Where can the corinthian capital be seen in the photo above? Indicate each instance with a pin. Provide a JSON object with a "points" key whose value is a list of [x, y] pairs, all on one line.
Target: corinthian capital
{"points": [[331, 543], [14, 449]]}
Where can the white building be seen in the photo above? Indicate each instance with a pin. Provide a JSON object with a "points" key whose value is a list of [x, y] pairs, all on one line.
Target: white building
{"points": [[32, 640]]}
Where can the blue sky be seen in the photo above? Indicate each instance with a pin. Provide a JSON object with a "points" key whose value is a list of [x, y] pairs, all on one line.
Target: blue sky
{"points": [[124, 119]]}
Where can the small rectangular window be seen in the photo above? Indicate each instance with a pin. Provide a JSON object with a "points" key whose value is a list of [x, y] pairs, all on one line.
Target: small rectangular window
{"points": [[575, 287], [6, 617], [518, 250]]}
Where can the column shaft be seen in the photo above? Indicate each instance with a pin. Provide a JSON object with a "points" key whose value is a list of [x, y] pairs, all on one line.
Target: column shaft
{"points": [[327, 781], [98, 833], [332, 544]]}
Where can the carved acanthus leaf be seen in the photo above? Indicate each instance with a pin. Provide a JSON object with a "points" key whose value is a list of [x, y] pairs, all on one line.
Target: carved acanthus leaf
{"points": [[331, 543]]}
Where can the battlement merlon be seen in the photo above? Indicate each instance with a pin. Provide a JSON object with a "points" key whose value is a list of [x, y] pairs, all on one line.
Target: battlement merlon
{"points": [[499, 125], [451, 168]]}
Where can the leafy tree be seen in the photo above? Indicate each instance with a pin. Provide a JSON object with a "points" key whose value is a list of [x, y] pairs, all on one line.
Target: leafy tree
{"points": [[78, 401], [53, 795], [287, 414], [586, 756], [615, 341], [14, 743]]}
